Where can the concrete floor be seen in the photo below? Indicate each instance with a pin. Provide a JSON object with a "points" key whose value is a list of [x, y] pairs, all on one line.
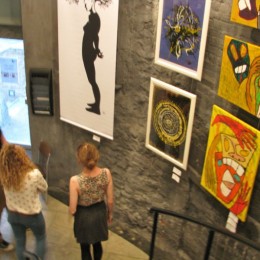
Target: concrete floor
{"points": [[61, 242]]}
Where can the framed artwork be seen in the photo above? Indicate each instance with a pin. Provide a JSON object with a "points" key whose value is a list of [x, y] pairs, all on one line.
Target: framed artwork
{"points": [[239, 81], [231, 161], [169, 123], [246, 12], [181, 35], [87, 44]]}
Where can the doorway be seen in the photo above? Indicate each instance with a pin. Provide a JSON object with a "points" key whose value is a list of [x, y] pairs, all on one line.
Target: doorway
{"points": [[14, 116]]}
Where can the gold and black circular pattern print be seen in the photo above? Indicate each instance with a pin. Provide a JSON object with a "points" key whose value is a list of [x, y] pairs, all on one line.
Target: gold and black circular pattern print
{"points": [[169, 123]]}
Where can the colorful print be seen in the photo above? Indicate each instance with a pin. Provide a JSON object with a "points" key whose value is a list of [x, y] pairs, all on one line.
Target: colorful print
{"points": [[181, 35], [246, 12], [240, 75], [231, 161], [169, 123]]}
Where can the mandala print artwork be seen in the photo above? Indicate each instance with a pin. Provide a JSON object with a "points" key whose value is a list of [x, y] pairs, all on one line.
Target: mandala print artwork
{"points": [[169, 124]]}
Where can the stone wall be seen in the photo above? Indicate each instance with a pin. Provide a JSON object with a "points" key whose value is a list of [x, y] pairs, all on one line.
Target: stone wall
{"points": [[142, 179]]}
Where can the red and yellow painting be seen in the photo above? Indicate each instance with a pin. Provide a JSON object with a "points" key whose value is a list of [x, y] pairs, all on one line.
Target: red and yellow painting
{"points": [[231, 161], [239, 80], [246, 12]]}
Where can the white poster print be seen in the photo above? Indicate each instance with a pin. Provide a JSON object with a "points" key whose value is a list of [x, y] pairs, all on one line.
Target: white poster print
{"points": [[87, 34]]}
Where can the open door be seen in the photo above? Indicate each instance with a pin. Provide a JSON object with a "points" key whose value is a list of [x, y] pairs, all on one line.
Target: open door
{"points": [[14, 117]]}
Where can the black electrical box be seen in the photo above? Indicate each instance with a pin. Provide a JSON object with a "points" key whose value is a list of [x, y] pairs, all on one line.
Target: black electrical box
{"points": [[41, 91]]}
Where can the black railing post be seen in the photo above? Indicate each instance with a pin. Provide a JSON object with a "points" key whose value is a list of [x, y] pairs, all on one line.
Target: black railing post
{"points": [[211, 228], [155, 220], [208, 248]]}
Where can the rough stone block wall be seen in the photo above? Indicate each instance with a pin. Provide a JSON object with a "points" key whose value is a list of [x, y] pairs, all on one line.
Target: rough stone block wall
{"points": [[142, 179]]}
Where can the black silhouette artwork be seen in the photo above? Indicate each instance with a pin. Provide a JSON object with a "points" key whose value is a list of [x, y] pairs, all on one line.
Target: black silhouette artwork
{"points": [[90, 51]]}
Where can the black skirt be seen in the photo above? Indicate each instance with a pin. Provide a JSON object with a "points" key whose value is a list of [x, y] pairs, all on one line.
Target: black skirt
{"points": [[90, 223]]}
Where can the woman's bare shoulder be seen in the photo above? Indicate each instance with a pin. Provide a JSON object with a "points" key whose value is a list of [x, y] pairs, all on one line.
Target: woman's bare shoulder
{"points": [[107, 170], [74, 178], [108, 173]]}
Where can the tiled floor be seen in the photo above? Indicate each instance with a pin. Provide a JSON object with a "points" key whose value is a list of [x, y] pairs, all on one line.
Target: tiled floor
{"points": [[61, 243]]}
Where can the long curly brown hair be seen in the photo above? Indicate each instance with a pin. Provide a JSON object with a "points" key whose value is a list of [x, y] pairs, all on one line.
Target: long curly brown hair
{"points": [[14, 166]]}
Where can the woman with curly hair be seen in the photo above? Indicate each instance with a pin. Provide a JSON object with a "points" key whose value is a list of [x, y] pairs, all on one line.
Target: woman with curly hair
{"points": [[91, 202], [4, 244], [22, 183]]}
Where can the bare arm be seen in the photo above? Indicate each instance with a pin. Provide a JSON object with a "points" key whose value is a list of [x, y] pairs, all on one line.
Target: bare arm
{"points": [[110, 196], [96, 28], [96, 44], [73, 195], [42, 184]]}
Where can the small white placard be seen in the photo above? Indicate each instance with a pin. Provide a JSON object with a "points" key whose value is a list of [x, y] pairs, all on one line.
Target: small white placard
{"points": [[231, 228], [96, 138], [176, 177], [232, 221], [177, 171], [232, 216]]}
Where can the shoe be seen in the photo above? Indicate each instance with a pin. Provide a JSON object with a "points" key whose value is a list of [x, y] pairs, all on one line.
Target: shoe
{"points": [[93, 110], [30, 256], [5, 246]]}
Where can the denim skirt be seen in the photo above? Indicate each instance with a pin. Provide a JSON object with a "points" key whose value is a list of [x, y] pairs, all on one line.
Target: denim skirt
{"points": [[90, 223]]}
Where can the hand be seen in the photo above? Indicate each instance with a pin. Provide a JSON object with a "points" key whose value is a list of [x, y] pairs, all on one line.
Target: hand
{"points": [[242, 200], [247, 137], [99, 54], [244, 135], [109, 219]]}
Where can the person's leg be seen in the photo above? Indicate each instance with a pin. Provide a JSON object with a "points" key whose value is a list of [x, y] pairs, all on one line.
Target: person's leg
{"points": [[85, 251], [6, 233], [19, 233], [91, 74], [37, 225], [20, 238], [6, 229], [98, 251]]}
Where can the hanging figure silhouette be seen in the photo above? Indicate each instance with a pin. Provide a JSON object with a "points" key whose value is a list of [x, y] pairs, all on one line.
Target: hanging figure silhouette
{"points": [[90, 51]]}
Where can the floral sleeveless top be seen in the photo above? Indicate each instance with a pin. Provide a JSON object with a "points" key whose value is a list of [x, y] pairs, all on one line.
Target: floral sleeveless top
{"points": [[92, 189]]}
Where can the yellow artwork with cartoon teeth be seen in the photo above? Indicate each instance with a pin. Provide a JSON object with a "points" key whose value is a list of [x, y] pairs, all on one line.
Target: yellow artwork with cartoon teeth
{"points": [[239, 80], [231, 161], [246, 12]]}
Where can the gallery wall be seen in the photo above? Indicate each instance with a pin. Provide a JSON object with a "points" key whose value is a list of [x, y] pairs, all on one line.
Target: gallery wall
{"points": [[10, 12], [142, 179]]}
